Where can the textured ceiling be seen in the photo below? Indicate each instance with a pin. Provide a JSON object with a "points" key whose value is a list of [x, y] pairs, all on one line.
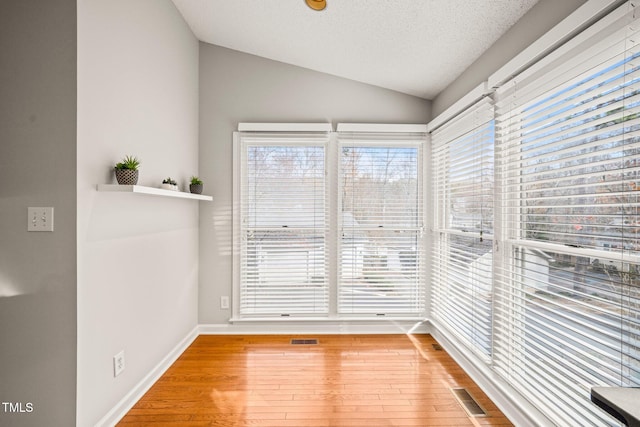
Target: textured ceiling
{"points": [[411, 46]]}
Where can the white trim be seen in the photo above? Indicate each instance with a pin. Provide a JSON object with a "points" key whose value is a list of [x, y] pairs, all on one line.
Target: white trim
{"points": [[325, 327], [427, 220], [372, 142], [381, 128], [284, 127], [332, 170], [577, 21], [236, 223], [587, 252], [459, 106], [139, 189], [116, 413], [518, 410]]}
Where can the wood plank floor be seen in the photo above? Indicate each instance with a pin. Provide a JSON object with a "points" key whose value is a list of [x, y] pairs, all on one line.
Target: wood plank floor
{"points": [[344, 380]]}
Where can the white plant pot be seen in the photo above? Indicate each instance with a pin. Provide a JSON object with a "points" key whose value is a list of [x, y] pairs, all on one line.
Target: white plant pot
{"points": [[169, 187]]}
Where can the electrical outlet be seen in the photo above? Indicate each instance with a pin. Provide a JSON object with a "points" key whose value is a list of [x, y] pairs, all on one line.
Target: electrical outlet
{"points": [[224, 302], [118, 363], [40, 219]]}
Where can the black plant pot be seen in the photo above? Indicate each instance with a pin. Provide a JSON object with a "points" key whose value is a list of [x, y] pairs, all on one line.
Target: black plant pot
{"points": [[126, 176], [195, 188]]}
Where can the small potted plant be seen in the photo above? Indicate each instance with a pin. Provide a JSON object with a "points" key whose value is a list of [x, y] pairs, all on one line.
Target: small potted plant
{"points": [[196, 185], [169, 184], [127, 171]]}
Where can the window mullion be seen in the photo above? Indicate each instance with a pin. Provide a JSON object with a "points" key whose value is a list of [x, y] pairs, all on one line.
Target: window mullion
{"points": [[333, 205]]}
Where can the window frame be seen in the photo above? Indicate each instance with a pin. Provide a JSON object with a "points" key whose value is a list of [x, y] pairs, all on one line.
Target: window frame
{"points": [[332, 168], [460, 278], [368, 140], [242, 212]]}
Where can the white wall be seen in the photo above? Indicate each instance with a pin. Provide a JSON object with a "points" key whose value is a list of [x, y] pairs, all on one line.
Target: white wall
{"points": [[137, 255], [37, 168], [237, 87]]}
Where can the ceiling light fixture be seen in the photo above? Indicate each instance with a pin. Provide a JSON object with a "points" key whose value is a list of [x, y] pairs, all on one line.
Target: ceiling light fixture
{"points": [[316, 4]]}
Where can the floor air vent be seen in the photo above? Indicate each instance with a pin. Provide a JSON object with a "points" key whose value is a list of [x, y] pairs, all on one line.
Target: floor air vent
{"points": [[468, 402], [310, 341]]}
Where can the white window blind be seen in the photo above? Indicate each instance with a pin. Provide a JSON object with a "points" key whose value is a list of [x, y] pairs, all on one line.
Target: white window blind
{"points": [[462, 283], [567, 303], [283, 224], [381, 224], [329, 226]]}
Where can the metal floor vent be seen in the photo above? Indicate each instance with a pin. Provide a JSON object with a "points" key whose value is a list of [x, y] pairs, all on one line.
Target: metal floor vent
{"points": [[308, 341], [437, 347], [468, 402]]}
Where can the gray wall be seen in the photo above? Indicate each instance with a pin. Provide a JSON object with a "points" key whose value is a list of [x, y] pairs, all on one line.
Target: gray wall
{"points": [[535, 23], [237, 87], [137, 254], [38, 168]]}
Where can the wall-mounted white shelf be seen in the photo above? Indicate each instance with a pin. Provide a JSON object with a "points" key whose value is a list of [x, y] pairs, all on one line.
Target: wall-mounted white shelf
{"points": [[139, 189]]}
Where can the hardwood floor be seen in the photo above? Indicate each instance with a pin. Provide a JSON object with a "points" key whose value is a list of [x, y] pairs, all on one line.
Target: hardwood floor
{"points": [[344, 380]]}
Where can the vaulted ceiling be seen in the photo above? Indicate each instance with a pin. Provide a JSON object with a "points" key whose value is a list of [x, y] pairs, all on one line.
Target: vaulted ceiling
{"points": [[416, 47]]}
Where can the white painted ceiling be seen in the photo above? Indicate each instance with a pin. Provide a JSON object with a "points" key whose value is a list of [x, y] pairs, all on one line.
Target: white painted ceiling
{"points": [[416, 47]]}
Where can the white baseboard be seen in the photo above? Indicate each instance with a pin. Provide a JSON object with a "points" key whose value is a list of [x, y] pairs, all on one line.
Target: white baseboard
{"points": [[123, 406], [265, 327]]}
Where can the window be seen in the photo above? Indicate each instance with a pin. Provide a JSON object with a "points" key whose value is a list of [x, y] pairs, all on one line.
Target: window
{"points": [[567, 306], [536, 261], [283, 225], [381, 224], [462, 165], [329, 226]]}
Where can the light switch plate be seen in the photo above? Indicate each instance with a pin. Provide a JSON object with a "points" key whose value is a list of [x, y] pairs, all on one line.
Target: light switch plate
{"points": [[40, 219], [224, 302], [118, 363]]}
